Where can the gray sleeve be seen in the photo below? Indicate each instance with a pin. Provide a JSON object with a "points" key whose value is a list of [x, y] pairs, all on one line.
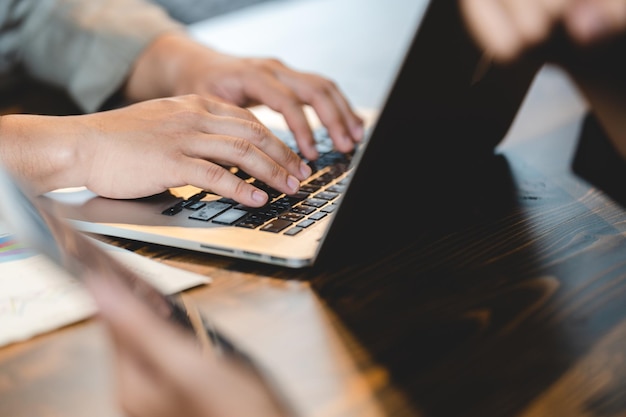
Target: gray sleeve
{"points": [[88, 47]]}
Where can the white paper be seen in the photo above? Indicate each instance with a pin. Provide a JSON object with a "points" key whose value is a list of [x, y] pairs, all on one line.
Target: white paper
{"points": [[37, 296]]}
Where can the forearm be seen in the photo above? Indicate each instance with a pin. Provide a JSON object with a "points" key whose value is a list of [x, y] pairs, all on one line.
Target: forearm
{"points": [[42, 150]]}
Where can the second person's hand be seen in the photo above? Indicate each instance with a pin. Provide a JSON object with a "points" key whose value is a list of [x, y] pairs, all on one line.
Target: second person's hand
{"points": [[172, 377], [175, 64], [507, 28]]}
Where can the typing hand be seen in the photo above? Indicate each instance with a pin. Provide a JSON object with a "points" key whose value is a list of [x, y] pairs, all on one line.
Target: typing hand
{"points": [[161, 371], [148, 147], [189, 67], [506, 28]]}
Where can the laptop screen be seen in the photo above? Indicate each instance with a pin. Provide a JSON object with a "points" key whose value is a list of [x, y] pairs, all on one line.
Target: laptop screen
{"points": [[428, 153]]}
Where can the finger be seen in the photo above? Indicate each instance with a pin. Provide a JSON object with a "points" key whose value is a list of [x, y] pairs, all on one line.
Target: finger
{"points": [[212, 177], [312, 89], [330, 105], [354, 121], [132, 323], [233, 151], [146, 383], [555, 9], [122, 310], [616, 12], [171, 377], [532, 20], [140, 391], [290, 90], [492, 26], [265, 88], [588, 21], [263, 140]]}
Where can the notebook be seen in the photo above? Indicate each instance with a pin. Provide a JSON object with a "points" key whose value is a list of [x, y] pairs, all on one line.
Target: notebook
{"points": [[444, 113]]}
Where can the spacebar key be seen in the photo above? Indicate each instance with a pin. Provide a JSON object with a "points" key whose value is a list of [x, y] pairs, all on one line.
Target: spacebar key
{"points": [[276, 225]]}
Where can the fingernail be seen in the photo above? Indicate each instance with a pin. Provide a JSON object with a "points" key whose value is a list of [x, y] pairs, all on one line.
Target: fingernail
{"points": [[259, 196], [591, 22], [305, 170], [293, 183], [357, 133]]}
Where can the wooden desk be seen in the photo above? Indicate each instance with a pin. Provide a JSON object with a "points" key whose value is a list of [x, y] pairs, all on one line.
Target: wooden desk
{"points": [[520, 315]]}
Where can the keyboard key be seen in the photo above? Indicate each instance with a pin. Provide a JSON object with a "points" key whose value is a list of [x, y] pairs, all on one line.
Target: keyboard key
{"points": [[291, 216], [230, 217], [248, 225], [276, 225], [305, 223], [293, 231], [194, 205], [306, 210], [272, 192], [175, 209], [197, 197], [254, 220], [314, 202], [295, 198], [209, 211], [283, 213], [309, 188], [326, 195], [337, 188], [240, 173], [329, 209], [318, 216]]}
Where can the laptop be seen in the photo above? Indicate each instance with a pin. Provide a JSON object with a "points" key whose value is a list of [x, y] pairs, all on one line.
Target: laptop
{"points": [[443, 115]]}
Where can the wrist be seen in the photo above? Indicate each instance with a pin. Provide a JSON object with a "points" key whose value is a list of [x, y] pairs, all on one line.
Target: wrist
{"points": [[157, 70], [39, 150]]}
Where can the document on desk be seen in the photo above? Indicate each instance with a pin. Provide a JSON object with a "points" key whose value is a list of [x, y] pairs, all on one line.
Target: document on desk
{"points": [[36, 296]]}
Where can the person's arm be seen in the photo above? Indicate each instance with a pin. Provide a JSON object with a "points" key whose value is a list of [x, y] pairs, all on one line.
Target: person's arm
{"points": [[173, 378], [148, 147], [587, 38], [176, 64], [506, 29], [97, 48]]}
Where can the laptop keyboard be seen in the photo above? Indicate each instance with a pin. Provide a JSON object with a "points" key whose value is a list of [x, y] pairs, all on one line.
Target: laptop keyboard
{"points": [[286, 214]]}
